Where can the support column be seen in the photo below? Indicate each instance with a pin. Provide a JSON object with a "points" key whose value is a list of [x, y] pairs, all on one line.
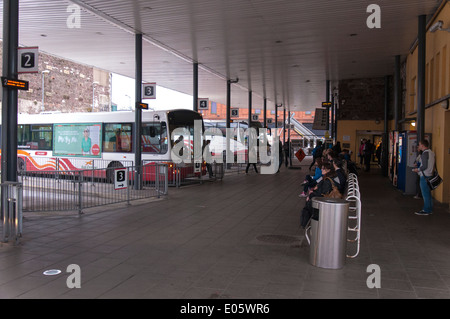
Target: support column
{"points": [[421, 78], [265, 113], [385, 138], [249, 109], [327, 99], [138, 112], [195, 89], [284, 125], [10, 95], [397, 92]]}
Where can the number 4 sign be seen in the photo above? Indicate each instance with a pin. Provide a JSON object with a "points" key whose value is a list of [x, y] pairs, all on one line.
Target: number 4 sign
{"points": [[28, 60]]}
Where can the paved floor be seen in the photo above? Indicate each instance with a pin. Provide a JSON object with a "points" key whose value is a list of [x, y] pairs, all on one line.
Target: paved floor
{"points": [[217, 240]]}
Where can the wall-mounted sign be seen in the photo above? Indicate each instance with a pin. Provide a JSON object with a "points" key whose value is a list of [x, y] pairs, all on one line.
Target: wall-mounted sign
{"points": [[15, 84], [326, 104], [120, 178], [255, 117], [143, 106], [320, 119], [28, 60], [203, 104], [149, 91], [234, 112]]}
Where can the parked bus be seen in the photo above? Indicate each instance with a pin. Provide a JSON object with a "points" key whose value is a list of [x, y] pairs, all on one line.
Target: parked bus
{"points": [[75, 141]]}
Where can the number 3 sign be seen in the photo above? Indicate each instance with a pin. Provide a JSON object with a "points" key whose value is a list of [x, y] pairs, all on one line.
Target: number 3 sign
{"points": [[28, 60]]}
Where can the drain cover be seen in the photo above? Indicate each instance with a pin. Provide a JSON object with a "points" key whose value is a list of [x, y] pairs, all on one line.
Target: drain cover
{"points": [[279, 239], [52, 272]]}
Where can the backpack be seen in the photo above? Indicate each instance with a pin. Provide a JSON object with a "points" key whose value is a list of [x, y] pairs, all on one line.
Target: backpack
{"points": [[335, 193]]}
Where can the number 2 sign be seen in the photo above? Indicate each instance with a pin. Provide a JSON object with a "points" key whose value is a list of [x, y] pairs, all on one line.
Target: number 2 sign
{"points": [[28, 60]]}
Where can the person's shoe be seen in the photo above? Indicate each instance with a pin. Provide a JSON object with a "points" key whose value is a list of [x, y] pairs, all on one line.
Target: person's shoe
{"points": [[422, 213], [417, 197], [305, 182], [302, 195]]}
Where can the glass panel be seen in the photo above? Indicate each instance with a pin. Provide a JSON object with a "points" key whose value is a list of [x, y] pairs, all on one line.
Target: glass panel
{"points": [[118, 138]]}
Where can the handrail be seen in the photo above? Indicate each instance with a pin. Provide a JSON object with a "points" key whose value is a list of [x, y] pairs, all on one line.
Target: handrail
{"points": [[354, 197]]}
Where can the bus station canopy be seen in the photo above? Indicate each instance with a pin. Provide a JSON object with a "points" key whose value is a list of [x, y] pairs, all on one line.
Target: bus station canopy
{"points": [[284, 51]]}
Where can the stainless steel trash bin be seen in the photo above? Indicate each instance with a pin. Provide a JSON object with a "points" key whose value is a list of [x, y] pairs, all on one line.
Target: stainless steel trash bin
{"points": [[329, 232]]}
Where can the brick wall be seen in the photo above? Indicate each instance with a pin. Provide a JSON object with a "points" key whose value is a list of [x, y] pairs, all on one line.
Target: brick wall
{"points": [[363, 99], [68, 87]]}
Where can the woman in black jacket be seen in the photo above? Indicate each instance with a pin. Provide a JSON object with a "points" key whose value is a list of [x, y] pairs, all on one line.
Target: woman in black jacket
{"points": [[323, 188]]}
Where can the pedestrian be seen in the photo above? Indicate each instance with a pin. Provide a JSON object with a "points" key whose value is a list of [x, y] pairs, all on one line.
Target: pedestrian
{"points": [[361, 151], [368, 150], [287, 153], [427, 163], [280, 155], [207, 157]]}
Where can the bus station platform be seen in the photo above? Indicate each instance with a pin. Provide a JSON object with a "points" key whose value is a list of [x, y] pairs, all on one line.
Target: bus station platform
{"points": [[234, 239]]}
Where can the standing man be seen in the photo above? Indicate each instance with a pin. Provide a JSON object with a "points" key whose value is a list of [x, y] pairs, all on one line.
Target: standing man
{"points": [[368, 150], [427, 161]]}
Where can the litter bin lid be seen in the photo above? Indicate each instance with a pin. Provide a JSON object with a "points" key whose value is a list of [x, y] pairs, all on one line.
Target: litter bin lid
{"points": [[327, 200]]}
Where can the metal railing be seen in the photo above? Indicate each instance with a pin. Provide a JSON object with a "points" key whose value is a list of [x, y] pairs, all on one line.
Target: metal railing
{"points": [[80, 189], [11, 225], [186, 174], [354, 198]]}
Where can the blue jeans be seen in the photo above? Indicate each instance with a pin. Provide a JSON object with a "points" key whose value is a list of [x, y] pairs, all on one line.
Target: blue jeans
{"points": [[426, 194]]}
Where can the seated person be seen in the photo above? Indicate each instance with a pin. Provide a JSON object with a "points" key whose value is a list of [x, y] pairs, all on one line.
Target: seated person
{"points": [[311, 181], [341, 175], [324, 187]]}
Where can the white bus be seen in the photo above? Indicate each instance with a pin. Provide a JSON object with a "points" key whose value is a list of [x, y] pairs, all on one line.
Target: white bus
{"points": [[75, 141]]}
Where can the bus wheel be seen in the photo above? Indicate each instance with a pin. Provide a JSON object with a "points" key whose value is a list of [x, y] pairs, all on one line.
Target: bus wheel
{"points": [[110, 171], [21, 165]]}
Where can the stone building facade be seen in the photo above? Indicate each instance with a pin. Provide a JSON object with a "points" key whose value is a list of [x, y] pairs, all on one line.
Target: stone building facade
{"points": [[64, 86]]}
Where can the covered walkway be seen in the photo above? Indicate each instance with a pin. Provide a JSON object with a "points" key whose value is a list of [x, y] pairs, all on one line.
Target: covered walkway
{"points": [[239, 238]]}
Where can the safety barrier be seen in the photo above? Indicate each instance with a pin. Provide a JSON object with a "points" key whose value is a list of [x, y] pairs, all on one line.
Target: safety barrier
{"points": [[80, 189], [354, 198], [11, 225]]}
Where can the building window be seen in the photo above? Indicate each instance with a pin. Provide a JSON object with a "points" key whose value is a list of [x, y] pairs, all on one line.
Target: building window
{"points": [[213, 108]]}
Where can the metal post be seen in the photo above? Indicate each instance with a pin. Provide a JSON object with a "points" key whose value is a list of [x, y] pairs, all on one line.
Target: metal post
{"points": [[327, 99], [421, 78], [80, 193], [385, 140], [195, 90], [249, 109], [10, 96], [138, 112], [265, 113], [284, 125], [397, 92]]}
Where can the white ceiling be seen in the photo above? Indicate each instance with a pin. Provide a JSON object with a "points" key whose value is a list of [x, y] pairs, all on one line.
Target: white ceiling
{"points": [[283, 50]]}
